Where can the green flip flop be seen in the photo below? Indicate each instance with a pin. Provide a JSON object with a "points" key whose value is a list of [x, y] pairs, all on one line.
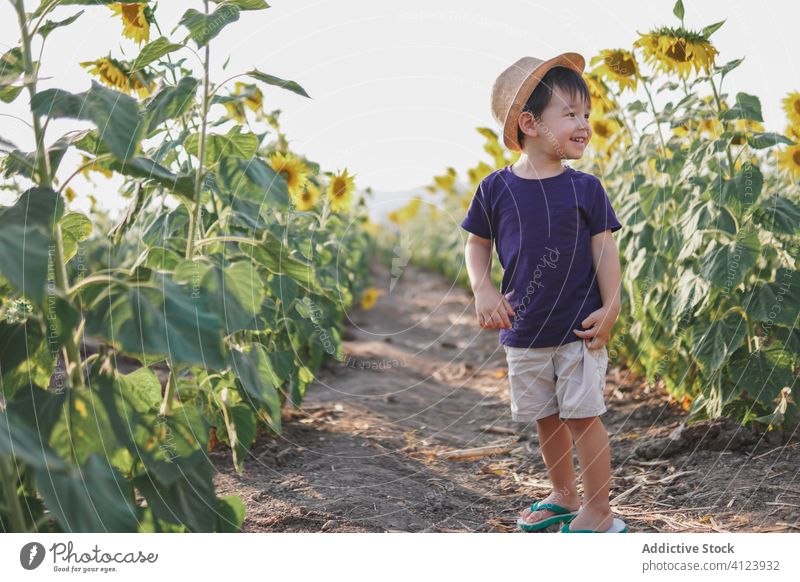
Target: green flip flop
{"points": [[564, 515], [617, 526]]}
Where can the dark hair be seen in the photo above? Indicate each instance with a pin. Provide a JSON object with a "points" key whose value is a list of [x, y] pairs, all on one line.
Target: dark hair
{"points": [[562, 77]]}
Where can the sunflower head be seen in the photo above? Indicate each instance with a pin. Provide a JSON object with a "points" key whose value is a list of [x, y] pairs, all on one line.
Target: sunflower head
{"points": [[116, 74], [293, 170], [677, 50], [619, 66], [253, 97], [791, 105], [602, 102], [340, 191], [370, 297], [307, 198], [136, 20], [789, 159]]}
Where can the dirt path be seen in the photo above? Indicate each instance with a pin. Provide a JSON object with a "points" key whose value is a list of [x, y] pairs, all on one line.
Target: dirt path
{"points": [[366, 453]]}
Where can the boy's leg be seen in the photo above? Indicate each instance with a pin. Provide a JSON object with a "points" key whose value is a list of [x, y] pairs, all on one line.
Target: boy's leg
{"points": [[555, 442], [591, 442]]}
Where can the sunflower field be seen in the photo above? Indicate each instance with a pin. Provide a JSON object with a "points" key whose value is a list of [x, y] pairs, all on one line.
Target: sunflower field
{"points": [[710, 205], [225, 281]]}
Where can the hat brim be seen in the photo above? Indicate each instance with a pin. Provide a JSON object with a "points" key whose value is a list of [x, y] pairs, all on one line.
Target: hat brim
{"points": [[573, 61]]}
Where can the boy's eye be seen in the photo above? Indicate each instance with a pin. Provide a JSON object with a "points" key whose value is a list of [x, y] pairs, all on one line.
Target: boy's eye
{"points": [[571, 113]]}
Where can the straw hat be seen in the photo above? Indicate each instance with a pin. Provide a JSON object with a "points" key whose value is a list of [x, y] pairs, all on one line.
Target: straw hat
{"points": [[514, 85]]}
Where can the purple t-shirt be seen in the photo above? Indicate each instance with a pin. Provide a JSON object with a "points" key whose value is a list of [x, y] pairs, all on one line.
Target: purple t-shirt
{"points": [[542, 231]]}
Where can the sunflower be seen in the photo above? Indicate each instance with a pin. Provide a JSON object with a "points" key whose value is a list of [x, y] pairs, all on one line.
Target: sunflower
{"points": [[340, 191], [136, 19], [115, 74], [604, 128], [69, 194], [742, 128], [235, 110], [677, 50], [293, 170], [791, 105], [789, 159], [601, 101], [307, 199], [619, 66], [370, 297], [253, 97]]}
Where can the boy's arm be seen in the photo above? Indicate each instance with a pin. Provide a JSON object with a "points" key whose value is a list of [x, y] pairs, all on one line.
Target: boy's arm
{"points": [[478, 256], [605, 258], [492, 309]]}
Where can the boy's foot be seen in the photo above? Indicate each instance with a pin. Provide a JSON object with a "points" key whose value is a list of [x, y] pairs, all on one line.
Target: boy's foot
{"points": [[592, 519], [571, 502]]}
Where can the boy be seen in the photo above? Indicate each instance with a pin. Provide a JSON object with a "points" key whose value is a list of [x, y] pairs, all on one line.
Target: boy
{"points": [[559, 296]]}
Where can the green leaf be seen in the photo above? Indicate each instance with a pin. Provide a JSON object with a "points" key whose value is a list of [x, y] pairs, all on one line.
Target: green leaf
{"points": [[75, 228], [230, 514], [94, 498], [278, 82], [24, 255], [761, 140], [780, 214], [153, 51], [275, 257], [51, 25], [714, 345], [163, 317], [728, 67], [747, 107], [763, 373], [19, 438], [142, 388], [777, 301], [139, 167], [170, 103], [245, 4], [677, 10], [203, 28], [234, 143], [189, 501], [17, 340], [252, 180], [726, 265], [712, 28], [115, 114], [254, 374]]}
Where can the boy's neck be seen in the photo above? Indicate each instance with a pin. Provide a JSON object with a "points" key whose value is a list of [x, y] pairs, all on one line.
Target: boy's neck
{"points": [[537, 166]]}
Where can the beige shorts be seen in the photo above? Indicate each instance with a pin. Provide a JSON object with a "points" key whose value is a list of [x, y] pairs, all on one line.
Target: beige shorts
{"points": [[568, 379]]}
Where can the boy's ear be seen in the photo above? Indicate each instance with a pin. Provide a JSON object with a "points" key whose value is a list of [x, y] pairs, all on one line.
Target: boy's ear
{"points": [[527, 124]]}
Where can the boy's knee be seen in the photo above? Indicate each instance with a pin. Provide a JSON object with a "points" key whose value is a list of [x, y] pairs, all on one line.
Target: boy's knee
{"points": [[579, 424]]}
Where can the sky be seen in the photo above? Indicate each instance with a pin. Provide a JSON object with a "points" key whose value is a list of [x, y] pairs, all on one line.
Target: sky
{"points": [[398, 88]]}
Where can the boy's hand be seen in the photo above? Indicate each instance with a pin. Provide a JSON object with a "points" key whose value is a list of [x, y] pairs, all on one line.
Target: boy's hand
{"points": [[492, 308], [598, 324]]}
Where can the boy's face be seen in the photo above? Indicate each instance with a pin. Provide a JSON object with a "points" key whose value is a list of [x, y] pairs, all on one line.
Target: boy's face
{"points": [[563, 130]]}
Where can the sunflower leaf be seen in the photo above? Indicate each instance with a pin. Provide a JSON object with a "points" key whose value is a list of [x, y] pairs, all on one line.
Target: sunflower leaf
{"points": [[284, 84], [116, 115], [747, 107], [154, 51], [712, 28], [204, 27]]}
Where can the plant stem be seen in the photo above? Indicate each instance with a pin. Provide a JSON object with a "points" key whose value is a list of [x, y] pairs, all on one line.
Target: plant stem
{"points": [[724, 124], [195, 216], [73, 359], [9, 483]]}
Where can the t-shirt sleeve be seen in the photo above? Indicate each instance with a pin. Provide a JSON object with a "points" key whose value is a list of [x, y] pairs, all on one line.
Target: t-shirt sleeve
{"points": [[602, 215], [478, 220]]}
